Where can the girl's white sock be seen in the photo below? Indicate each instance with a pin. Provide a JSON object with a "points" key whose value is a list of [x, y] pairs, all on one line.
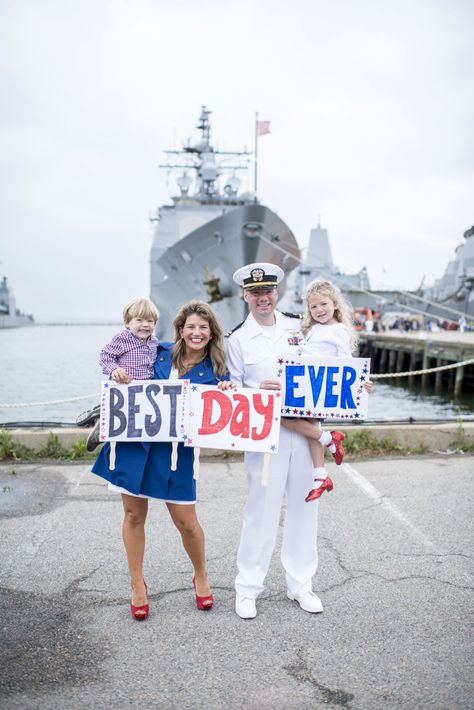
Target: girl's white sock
{"points": [[326, 440], [319, 473]]}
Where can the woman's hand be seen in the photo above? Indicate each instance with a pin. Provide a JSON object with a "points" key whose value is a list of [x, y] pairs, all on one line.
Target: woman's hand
{"points": [[121, 376], [226, 385], [369, 386], [270, 385]]}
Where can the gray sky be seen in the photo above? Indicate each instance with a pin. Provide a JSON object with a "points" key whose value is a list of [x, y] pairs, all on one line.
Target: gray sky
{"points": [[371, 104]]}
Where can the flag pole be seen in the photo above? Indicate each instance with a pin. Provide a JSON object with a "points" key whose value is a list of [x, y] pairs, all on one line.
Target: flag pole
{"points": [[256, 156]]}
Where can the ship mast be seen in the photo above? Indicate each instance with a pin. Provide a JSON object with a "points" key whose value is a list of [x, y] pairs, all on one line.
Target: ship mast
{"points": [[203, 159]]}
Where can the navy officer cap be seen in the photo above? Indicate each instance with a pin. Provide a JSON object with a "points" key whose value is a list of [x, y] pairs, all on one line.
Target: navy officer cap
{"points": [[260, 275]]}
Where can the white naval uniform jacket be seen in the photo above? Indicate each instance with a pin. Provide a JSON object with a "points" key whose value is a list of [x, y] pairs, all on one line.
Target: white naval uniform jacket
{"points": [[252, 357]]}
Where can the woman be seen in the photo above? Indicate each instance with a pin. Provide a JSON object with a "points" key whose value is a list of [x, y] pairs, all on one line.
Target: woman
{"points": [[143, 470]]}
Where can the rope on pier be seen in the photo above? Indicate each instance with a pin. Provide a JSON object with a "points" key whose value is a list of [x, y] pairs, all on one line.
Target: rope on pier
{"points": [[373, 377], [96, 395], [422, 372]]}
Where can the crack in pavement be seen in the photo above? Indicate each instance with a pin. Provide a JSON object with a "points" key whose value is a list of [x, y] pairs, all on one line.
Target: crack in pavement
{"points": [[301, 672], [356, 573]]}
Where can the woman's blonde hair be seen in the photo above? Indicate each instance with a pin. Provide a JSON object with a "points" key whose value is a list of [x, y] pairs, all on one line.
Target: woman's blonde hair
{"points": [[140, 308], [343, 311], [214, 348]]}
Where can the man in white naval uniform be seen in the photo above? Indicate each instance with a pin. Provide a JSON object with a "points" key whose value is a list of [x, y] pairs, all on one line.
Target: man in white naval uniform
{"points": [[252, 352]]}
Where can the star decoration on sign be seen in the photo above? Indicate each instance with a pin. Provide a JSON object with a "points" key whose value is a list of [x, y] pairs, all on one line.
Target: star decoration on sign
{"points": [[194, 388], [273, 447]]}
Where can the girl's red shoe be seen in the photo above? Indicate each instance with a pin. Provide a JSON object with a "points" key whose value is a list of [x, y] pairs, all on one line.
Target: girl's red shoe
{"points": [[140, 613], [316, 493], [203, 603], [337, 439]]}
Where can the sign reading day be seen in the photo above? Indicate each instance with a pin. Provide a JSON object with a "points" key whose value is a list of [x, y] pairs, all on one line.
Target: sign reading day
{"points": [[198, 415], [324, 387]]}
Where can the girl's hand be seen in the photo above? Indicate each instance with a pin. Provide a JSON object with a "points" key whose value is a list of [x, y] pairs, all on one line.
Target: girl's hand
{"points": [[369, 386], [226, 385], [270, 385], [121, 376]]}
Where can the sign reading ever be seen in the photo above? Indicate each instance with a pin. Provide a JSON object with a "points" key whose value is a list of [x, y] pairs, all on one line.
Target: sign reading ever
{"points": [[198, 415], [145, 410], [324, 387], [241, 419]]}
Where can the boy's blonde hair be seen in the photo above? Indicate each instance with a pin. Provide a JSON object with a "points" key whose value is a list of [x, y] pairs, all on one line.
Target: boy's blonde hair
{"points": [[140, 308], [215, 347], [343, 311]]}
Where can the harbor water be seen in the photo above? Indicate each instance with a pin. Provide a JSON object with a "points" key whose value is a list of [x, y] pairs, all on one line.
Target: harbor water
{"points": [[56, 362]]}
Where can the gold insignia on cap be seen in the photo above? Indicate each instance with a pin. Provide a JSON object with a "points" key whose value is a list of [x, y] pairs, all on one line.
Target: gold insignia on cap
{"points": [[257, 274]]}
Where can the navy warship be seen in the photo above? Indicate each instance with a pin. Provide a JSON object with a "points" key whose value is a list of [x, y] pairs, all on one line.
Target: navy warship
{"points": [[209, 231], [10, 315]]}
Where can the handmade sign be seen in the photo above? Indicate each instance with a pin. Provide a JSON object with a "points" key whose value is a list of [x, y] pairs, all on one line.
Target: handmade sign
{"points": [[325, 387], [145, 410], [240, 419]]}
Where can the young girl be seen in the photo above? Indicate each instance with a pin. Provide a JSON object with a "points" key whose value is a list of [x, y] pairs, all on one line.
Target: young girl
{"points": [[327, 329]]}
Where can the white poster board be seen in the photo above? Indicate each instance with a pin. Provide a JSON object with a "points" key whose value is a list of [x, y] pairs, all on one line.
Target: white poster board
{"points": [[325, 387], [241, 419], [145, 410]]}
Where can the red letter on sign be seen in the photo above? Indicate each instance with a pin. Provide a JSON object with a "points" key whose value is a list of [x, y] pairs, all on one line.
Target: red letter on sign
{"points": [[207, 427], [242, 411], [267, 411]]}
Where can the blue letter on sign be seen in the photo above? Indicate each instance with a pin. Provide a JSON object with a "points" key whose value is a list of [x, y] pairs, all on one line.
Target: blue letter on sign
{"points": [[330, 399], [316, 382], [348, 379], [293, 371]]}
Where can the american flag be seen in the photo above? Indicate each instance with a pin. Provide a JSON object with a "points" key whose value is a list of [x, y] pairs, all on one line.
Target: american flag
{"points": [[263, 127]]}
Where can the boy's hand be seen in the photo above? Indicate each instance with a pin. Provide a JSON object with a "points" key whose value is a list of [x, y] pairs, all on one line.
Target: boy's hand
{"points": [[121, 376], [369, 385]]}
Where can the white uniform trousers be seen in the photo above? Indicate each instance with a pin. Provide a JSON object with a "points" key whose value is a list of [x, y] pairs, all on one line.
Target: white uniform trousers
{"points": [[290, 474]]}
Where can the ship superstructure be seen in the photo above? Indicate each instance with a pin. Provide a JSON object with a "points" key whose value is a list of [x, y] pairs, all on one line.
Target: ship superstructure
{"points": [[10, 315], [209, 231], [455, 288]]}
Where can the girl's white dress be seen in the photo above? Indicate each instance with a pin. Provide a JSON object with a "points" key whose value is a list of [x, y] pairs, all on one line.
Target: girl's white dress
{"points": [[331, 340]]}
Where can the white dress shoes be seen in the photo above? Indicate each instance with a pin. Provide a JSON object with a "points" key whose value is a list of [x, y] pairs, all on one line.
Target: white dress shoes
{"points": [[245, 607], [308, 602]]}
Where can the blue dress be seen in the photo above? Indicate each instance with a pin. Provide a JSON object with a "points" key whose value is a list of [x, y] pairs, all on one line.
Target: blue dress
{"points": [[144, 468]]}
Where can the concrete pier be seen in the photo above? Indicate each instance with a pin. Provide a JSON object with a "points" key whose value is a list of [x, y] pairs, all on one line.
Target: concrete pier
{"points": [[394, 351]]}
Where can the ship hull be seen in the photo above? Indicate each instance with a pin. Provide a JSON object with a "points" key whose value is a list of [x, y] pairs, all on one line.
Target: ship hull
{"points": [[210, 254]]}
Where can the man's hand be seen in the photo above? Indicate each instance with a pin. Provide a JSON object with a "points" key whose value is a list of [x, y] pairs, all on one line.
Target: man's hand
{"points": [[270, 385]]}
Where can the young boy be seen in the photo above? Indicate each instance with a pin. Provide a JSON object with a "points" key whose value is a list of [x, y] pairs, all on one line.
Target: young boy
{"points": [[131, 353]]}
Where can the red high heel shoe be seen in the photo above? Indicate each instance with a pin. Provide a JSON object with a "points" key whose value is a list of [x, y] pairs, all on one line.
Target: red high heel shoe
{"points": [[316, 493], [140, 613], [204, 603], [337, 438]]}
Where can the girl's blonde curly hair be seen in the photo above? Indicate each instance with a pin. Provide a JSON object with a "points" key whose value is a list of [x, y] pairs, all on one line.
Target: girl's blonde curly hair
{"points": [[343, 311]]}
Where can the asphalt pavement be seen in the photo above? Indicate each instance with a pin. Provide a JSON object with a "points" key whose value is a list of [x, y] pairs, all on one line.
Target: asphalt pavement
{"points": [[395, 577]]}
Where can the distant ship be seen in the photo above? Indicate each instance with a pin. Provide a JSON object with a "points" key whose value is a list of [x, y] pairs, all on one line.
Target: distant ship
{"points": [[451, 297], [455, 289], [10, 316], [209, 231]]}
